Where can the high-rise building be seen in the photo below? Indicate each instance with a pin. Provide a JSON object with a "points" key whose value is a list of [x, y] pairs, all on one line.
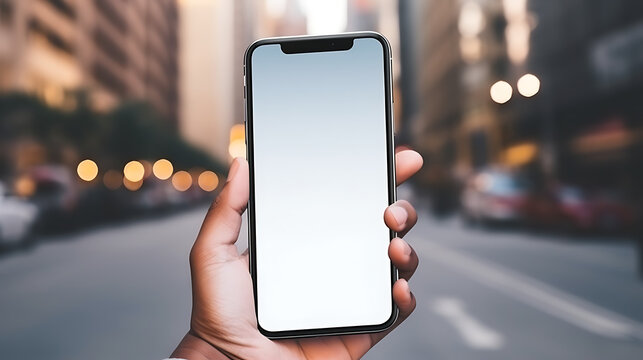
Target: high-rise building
{"points": [[380, 16], [410, 13], [566, 106], [113, 49], [214, 36], [588, 111]]}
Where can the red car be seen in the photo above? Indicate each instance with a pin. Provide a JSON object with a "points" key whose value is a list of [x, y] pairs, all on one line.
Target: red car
{"points": [[572, 208]]}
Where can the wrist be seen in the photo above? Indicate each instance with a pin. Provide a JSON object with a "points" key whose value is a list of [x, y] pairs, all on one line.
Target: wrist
{"points": [[194, 348]]}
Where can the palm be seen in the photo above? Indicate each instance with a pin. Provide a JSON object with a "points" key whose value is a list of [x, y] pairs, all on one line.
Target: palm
{"points": [[230, 301]]}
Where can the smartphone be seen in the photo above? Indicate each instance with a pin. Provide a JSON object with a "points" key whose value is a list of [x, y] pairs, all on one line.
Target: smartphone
{"points": [[319, 129]]}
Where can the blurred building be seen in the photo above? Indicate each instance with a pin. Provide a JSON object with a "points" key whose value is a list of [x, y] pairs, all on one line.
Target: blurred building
{"points": [[380, 16], [459, 127], [281, 18], [115, 50], [576, 120], [411, 14], [589, 108], [214, 35]]}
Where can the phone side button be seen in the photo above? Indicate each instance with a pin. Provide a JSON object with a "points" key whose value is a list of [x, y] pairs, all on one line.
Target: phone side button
{"points": [[391, 80]]}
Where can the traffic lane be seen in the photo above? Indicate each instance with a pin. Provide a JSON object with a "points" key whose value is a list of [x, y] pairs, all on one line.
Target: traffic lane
{"points": [[118, 292], [602, 270], [527, 333]]}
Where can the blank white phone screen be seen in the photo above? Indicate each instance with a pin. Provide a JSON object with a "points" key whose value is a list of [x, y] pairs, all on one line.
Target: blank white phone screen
{"points": [[321, 187]]}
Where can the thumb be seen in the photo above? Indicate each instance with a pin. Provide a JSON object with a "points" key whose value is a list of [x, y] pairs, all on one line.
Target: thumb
{"points": [[222, 223]]}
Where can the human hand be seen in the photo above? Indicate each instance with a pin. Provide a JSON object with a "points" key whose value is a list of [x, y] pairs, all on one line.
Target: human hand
{"points": [[224, 323]]}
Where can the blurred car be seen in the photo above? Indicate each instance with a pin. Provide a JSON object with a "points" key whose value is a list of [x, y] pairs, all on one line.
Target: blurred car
{"points": [[567, 207], [154, 195], [56, 195], [493, 196], [17, 218], [611, 212], [544, 207]]}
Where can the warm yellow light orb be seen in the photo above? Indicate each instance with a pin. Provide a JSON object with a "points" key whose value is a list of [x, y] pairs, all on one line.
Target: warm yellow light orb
{"points": [[182, 180], [501, 92], [237, 132], [163, 169], [208, 181], [237, 149], [87, 170], [134, 171]]}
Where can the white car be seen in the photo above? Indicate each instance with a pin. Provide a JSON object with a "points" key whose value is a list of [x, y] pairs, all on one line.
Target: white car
{"points": [[16, 219]]}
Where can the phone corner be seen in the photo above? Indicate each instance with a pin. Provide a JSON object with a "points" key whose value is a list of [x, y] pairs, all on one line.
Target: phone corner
{"points": [[267, 333], [251, 48], [379, 37], [395, 314]]}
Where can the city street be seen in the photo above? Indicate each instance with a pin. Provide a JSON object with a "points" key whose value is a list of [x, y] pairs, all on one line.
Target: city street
{"points": [[123, 293]]}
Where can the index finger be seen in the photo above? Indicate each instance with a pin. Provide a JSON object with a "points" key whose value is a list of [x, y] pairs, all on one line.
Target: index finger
{"points": [[407, 163]]}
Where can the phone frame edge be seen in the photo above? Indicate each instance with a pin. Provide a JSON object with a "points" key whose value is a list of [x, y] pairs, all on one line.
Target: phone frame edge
{"points": [[392, 193]]}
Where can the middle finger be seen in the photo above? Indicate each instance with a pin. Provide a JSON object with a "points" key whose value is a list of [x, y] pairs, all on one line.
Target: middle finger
{"points": [[400, 217]]}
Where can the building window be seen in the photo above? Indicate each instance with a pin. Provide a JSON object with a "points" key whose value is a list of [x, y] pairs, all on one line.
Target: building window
{"points": [[39, 29], [63, 7], [108, 79], [110, 48]]}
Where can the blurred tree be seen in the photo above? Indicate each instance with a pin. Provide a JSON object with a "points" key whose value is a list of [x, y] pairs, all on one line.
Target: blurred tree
{"points": [[131, 131]]}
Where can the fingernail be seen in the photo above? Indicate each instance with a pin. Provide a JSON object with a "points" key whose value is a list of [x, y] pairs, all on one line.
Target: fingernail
{"points": [[233, 169], [408, 288], [407, 248], [399, 214]]}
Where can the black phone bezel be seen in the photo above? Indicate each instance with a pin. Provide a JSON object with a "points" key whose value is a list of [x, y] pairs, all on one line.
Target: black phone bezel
{"points": [[301, 44]]}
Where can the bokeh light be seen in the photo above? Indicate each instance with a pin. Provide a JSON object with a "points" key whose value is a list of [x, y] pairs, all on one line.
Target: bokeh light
{"points": [[528, 85], [87, 170], [132, 185], [134, 171], [24, 186], [112, 179], [163, 169], [237, 132], [471, 21], [501, 92], [237, 147], [208, 181], [182, 180]]}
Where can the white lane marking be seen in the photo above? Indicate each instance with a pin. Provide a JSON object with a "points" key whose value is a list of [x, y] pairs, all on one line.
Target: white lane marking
{"points": [[546, 298], [474, 333]]}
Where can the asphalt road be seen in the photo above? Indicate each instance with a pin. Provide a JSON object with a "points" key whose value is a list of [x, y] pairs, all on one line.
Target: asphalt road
{"points": [[123, 293]]}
